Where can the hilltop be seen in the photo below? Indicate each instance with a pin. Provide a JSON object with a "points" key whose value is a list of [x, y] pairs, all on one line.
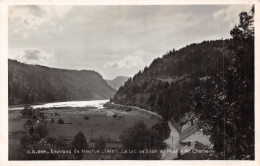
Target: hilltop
{"points": [[29, 84]]}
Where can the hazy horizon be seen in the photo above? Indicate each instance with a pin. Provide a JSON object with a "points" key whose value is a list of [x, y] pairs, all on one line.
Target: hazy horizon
{"points": [[112, 40]]}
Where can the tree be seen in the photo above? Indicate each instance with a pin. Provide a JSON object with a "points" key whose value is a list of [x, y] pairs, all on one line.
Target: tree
{"points": [[162, 129], [139, 138], [240, 87], [79, 143], [225, 104]]}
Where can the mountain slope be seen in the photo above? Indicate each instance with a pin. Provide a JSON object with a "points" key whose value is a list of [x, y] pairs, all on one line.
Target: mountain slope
{"points": [[211, 83], [164, 86], [117, 82], [29, 84]]}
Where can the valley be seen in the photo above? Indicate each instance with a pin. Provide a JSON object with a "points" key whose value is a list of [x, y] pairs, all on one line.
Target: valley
{"points": [[103, 122]]}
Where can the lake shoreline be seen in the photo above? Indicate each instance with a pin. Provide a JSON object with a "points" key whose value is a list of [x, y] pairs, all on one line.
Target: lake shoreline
{"points": [[42, 103], [69, 104]]}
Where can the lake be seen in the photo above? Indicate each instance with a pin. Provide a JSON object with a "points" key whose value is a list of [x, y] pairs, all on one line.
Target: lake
{"points": [[91, 103]]}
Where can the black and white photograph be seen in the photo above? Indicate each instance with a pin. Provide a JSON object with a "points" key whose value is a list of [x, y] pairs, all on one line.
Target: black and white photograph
{"points": [[131, 82]]}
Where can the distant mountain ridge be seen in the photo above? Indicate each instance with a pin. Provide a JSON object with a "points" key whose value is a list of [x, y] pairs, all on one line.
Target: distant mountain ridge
{"points": [[28, 84], [117, 82]]}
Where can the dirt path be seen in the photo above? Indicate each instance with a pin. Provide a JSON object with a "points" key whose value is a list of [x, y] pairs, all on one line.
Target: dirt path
{"points": [[172, 143], [140, 109]]}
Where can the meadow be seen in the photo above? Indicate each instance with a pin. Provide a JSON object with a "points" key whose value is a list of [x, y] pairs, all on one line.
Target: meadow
{"points": [[93, 122]]}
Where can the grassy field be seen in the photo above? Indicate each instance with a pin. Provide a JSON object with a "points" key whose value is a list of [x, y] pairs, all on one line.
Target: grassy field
{"points": [[100, 122]]}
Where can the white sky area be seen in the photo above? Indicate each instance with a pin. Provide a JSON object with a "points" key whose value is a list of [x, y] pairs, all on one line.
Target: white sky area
{"points": [[112, 40]]}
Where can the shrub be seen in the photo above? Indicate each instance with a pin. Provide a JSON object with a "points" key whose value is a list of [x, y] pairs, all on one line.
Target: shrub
{"points": [[35, 138], [27, 111], [86, 117], [28, 124], [128, 109], [140, 137], [162, 129], [114, 116], [51, 140], [60, 121], [41, 115], [57, 142], [79, 143], [31, 130], [41, 130]]}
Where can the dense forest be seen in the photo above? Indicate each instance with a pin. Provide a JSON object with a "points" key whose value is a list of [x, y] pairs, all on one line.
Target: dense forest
{"points": [[212, 81], [30, 84], [165, 85]]}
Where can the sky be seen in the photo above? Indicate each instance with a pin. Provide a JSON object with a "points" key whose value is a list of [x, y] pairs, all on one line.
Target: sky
{"points": [[112, 40]]}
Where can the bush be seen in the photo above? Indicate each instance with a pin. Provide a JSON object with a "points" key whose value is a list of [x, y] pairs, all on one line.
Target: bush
{"points": [[41, 129], [31, 130], [28, 124], [60, 121], [162, 129], [128, 109], [27, 111], [52, 120], [140, 137], [57, 142], [41, 115], [35, 138], [86, 117], [79, 143], [114, 116]]}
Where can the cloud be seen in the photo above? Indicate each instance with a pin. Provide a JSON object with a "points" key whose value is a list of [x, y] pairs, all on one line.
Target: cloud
{"points": [[104, 38], [131, 61], [31, 56], [230, 14], [24, 35], [31, 17]]}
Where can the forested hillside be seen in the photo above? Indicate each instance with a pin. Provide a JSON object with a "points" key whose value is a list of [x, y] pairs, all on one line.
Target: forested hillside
{"points": [[28, 84], [212, 81], [164, 86]]}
